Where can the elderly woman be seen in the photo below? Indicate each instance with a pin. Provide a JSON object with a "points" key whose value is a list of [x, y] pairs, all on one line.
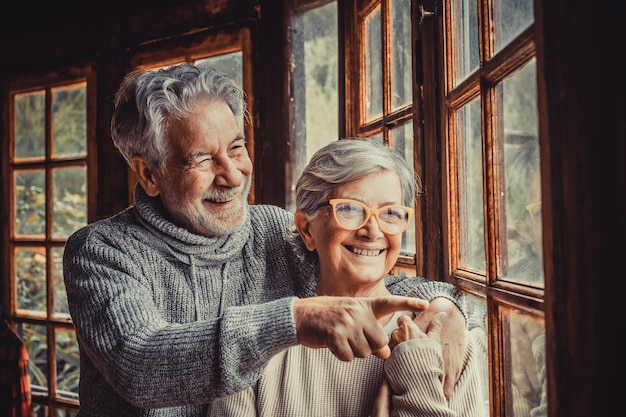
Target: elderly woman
{"points": [[352, 206]]}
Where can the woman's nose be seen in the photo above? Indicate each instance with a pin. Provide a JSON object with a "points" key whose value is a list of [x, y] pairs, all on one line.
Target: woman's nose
{"points": [[372, 228]]}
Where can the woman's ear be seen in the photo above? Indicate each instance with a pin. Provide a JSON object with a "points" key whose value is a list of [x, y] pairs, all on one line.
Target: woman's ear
{"points": [[145, 175], [303, 225]]}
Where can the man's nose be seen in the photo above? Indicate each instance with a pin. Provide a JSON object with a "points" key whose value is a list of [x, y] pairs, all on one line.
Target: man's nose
{"points": [[227, 173]]}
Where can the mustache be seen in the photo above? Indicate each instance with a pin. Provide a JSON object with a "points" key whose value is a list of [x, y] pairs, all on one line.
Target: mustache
{"points": [[223, 194]]}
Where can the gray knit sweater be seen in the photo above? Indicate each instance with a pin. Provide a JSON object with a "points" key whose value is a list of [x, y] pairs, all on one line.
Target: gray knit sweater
{"points": [[168, 320]]}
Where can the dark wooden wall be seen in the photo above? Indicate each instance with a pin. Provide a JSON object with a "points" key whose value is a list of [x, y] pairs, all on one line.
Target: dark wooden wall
{"points": [[583, 69], [581, 64]]}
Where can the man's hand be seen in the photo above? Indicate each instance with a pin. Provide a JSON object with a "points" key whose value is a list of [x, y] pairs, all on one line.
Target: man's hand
{"points": [[452, 339], [349, 326]]}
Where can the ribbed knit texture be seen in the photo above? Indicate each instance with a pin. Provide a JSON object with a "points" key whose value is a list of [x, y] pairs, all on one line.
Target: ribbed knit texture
{"points": [[165, 317], [415, 373], [307, 382]]}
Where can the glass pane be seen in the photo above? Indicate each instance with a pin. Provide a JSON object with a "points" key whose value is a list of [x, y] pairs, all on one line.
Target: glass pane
{"points": [[30, 202], [470, 178], [36, 343], [60, 296], [401, 54], [465, 37], [69, 206], [69, 119], [401, 139], [30, 125], [511, 17], [230, 64], [30, 276], [40, 410], [526, 364], [523, 177], [477, 326], [67, 363], [314, 75], [373, 66]]}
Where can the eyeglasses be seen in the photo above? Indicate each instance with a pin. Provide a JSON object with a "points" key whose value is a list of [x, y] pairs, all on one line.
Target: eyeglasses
{"points": [[352, 215], [534, 210]]}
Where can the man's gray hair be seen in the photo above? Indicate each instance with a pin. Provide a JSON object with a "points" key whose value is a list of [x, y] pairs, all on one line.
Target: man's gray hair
{"points": [[148, 100]]}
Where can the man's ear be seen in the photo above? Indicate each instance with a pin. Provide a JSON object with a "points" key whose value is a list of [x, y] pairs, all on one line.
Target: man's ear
{"points": [[145, 175], [303, 225]]}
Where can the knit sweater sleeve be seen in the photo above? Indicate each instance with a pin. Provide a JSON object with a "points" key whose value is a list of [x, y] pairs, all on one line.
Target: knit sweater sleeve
{"points": [[142, 345], [428, 290], [415, 373]]}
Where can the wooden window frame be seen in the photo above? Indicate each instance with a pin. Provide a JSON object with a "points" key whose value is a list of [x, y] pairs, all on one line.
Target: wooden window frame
{"points": [[68, 75], [500, 295], [353, 122]]}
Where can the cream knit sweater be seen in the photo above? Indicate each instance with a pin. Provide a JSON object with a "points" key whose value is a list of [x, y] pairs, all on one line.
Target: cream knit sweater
{"points": [[307, 382]]}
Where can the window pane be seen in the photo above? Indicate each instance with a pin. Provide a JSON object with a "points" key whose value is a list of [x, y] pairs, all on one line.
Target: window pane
{"points": [[401, 70], [465, 35], [69, 201], [67, 363], [60, 296], [373, 66], [36, 343], [314, 75], [30, 202], [69, 118], [401, 139], [523, 177], [40, 410], [30, 125], [526, 363], [30, 277], [230, 64], [470, 178], [511, 17]]}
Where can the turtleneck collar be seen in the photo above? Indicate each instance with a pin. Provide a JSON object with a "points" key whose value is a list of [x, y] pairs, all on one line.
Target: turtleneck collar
{"points": [[181, 242]]}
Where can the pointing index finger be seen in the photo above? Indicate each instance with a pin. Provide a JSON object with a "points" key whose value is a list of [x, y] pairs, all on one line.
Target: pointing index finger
{"points": [[383, 306]]}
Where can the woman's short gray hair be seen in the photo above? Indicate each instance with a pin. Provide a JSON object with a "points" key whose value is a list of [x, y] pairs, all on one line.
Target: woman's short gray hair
{"points": [[347, 160], [148, 100]]}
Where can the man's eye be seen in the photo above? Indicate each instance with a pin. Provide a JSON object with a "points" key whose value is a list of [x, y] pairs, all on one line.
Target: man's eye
{"points": [[203, 163], [237, 149]]}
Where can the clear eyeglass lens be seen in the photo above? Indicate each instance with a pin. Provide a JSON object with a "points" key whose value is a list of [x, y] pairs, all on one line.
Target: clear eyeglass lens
{"points": [[353, 215], [350, 215]]}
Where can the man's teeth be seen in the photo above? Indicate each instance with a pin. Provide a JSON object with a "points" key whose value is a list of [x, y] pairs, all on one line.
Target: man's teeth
{"points": [[367, 252]]}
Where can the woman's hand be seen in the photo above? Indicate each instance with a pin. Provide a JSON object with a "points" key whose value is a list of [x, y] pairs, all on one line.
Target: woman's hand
{"points": [[451, 337]]}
